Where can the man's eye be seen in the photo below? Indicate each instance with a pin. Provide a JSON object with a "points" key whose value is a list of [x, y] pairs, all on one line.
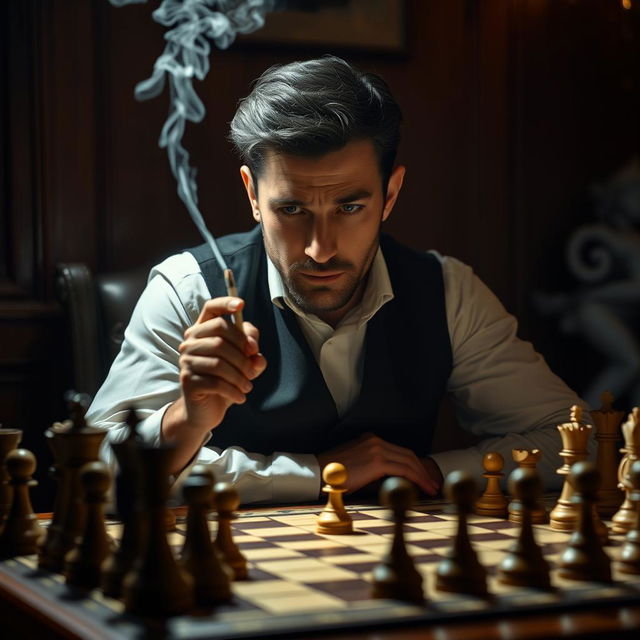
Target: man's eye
{"points": [[351, 208], [291, 209]]}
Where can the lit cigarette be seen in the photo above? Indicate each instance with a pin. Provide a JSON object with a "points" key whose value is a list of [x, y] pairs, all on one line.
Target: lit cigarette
{"points": [[233, 291]]}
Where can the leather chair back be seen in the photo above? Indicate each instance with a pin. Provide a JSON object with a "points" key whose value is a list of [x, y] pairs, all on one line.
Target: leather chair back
{"points": [[98, 310]]}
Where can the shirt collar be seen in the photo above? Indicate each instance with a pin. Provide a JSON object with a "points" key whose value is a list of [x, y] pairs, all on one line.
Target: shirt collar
{"points": [[378, 292]]}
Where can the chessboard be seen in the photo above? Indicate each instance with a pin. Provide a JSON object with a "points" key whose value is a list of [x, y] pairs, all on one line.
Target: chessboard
{"points": [[301, 582]]}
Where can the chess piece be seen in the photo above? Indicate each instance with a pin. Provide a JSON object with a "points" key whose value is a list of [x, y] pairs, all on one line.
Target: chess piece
{"points": [[9, 440], [73, 443], [200, 558], [227, 501], [527, 460], [21, 532], [156, 587], [396, 577], [128, 500], [50, 555], [334, 518], [524, 565], [584, 558], [607, 422], [624, 518], [460, 571], [83, 563], [629, 558], [575, 435], [492, 502]]}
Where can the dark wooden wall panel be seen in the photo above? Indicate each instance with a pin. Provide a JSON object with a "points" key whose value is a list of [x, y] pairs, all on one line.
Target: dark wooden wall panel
{"points": [[512, 108]]}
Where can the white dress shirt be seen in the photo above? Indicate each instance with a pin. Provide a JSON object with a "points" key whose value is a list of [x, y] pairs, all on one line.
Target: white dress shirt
{"points": [[502, 389]]}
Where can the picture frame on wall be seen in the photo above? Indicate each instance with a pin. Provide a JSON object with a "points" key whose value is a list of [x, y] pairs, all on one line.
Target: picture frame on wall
{"points": [[368, 25]]}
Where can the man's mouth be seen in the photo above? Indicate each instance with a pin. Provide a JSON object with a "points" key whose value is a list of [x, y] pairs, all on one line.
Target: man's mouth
{"points": [[322, 276]]}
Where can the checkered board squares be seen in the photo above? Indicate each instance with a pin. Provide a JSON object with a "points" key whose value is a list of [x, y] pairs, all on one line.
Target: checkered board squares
{"points": [[303, 581], [296, 570]]}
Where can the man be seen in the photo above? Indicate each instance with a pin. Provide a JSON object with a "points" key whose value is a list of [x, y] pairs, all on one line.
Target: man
{"points": [[350, 339]]}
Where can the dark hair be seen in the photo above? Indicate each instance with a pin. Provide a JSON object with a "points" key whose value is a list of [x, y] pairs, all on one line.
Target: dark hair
{"points": [[311, 108]]}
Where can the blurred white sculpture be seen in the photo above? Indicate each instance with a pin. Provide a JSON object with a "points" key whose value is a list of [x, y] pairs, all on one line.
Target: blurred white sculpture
{"points": [[605, 309]]}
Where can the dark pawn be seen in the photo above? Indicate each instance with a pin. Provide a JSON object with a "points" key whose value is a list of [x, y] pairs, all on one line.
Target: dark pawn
{"points": [[460, 571], [200, 558], [524, 565], [83, 563], [9, 440], [396, 577], [227, 501], [629, 559], [156, 587], [22, 532], [584, 558], [128, 496], [50, 553]]}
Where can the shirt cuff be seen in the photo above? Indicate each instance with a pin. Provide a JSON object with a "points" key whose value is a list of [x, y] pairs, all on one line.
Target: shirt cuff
{"points": [[296, 477], [458, 460], [150, 429]]}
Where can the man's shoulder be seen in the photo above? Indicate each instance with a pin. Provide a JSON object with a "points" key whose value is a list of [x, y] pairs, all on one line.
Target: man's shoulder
{"points": [[401, 255], [230, 246]]}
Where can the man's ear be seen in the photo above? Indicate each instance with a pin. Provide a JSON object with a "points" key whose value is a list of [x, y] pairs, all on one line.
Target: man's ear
{"points": [[393, 189], [247, 179]]}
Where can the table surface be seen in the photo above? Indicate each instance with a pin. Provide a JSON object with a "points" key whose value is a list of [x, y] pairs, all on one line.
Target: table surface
{"points": [[37, 604]]}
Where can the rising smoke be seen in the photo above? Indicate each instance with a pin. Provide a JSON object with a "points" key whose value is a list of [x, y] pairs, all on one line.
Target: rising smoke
{"points": [[192, 25]]}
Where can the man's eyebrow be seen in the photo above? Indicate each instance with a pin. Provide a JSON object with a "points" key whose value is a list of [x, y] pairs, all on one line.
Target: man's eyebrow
{"points": [[285, 202], [360, 194]]}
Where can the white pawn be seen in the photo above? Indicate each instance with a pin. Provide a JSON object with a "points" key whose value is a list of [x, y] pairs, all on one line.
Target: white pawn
{"points": [[334, 518]]}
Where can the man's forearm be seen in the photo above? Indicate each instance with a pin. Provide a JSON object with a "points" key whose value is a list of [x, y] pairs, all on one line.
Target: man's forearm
{"points": [[186, 437]]}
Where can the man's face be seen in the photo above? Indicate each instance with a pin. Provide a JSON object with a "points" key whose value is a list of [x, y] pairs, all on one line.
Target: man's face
{"points": [[321, 220]]}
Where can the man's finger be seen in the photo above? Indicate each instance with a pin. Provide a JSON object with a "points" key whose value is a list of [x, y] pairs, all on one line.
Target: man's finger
{"points": [[216, 368], [216, 307], [217, 348], [196, 385], [218, 327]]}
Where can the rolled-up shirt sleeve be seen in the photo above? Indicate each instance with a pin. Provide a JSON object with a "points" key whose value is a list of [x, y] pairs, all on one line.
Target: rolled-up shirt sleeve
{"points": [[502, 389], [145, 376]]}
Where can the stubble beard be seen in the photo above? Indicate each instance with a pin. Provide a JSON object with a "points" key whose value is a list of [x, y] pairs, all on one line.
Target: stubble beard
{"points": [[309, 298]]}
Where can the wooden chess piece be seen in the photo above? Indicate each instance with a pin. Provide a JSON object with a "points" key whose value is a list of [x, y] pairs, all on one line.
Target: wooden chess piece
{"points": [[492, 502], [629, 558], [334, 518], [396, 577], [22, 532], [200, 558], [156, 587], [526, 459], [584, 558], [50, 553], [83, 563], [460, 571], [9, 440], [624, 518], [575, 435], [524, 565], [227, 501], [128, 500], [607, 422], [74, 443]]}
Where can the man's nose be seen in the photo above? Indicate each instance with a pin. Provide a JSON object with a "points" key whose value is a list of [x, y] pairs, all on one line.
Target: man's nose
{"points": [[322, 244]]}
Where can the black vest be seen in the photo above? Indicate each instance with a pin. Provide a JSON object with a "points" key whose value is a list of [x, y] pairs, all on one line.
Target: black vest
{"points": [[407, 359]]}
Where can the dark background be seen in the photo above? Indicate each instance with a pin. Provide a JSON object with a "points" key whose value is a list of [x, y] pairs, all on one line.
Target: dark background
{"points": [[512, 109]]}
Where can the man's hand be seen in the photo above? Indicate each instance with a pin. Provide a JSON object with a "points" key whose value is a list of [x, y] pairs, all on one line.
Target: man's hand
{"points": [[370, 458], [217, 363]]}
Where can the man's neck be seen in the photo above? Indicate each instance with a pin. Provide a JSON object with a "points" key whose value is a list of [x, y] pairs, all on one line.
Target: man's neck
{"points": [[334, 318]]}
